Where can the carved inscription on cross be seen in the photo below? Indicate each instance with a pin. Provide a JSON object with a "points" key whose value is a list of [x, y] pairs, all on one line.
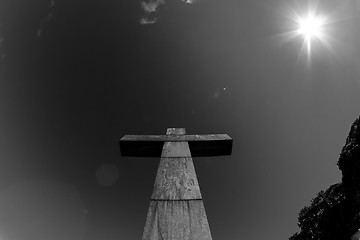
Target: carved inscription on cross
{"points": [[176, 210]]}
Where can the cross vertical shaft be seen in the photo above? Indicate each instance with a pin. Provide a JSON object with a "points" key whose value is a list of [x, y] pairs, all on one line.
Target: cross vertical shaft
{"points": [[176, 210]]}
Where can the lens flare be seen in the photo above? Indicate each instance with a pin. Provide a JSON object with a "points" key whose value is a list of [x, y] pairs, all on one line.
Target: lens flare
{"points": [[309, 25], [311, 28]]}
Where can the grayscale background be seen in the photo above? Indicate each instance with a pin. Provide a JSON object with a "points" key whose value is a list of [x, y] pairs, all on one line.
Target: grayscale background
{"points": [[76, 75]]}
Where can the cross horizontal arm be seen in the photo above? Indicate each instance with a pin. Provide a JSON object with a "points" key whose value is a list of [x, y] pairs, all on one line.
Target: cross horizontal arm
{"points": [[176, 138], [200, 145]]}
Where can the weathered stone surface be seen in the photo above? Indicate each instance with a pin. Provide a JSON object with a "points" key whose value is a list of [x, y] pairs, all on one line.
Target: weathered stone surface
{"points": [[176, 210], [176, 138], [176, 180], [176, 149], [151, 145], [176, 220], [175, 131]]}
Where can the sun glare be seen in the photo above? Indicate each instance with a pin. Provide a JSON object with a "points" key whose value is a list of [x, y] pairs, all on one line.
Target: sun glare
{"points": [[309, 26], [311, 29]]}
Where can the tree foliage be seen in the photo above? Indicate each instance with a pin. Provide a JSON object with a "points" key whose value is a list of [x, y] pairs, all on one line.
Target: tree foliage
{"points": [[330, 216], [335, 213]]}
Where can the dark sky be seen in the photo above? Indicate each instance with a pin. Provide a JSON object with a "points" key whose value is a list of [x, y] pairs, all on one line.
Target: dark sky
{"points": [[75, 76]]}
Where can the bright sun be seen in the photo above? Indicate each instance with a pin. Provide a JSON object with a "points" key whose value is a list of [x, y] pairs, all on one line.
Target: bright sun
{"points": [[310, 26]]}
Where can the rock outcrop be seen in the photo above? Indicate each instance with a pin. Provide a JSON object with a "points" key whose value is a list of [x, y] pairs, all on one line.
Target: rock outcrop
{"points": [[334, 214]]}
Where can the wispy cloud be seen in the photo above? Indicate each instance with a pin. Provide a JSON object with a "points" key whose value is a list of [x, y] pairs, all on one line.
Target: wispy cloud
{"points": [[146, 21], [2, 54], [189, 1], [47, 18], [52, 3], [2, 57], [150, 8]]}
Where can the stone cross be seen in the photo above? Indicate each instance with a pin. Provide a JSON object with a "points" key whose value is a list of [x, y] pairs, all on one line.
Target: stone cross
{"points": [[176, 210]]}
